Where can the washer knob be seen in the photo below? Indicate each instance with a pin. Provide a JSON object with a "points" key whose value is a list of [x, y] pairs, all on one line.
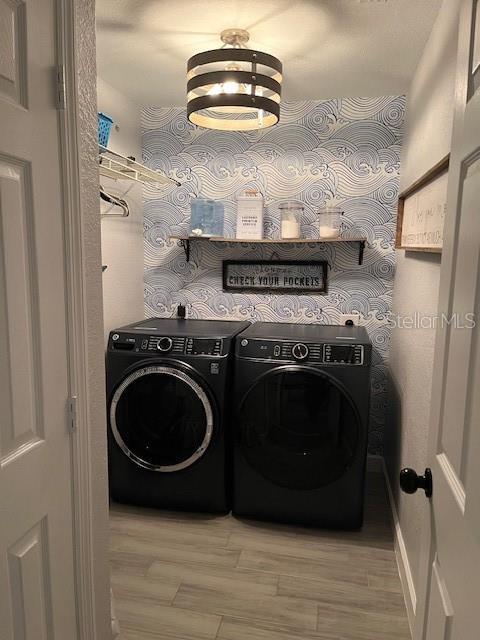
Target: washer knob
{"points": [[299, 351], [164, 344]]}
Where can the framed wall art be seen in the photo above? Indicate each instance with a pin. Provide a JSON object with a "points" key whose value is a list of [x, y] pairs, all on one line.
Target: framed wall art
{"points": [[421, 211], [260, 276]]}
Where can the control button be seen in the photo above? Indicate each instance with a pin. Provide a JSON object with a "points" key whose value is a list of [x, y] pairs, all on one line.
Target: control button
{"points": [[214, 368], [299, 351], [276, 350], [144, 344], [164, 344], [115, 337], [244, 342]]}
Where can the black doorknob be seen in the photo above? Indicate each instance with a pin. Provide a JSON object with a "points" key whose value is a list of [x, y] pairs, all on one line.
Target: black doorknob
{"points": [[410, 481]]}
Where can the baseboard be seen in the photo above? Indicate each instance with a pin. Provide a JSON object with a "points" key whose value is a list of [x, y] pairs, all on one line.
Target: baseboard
{"points": [[401, 555], [115, 625], [374, 464]]}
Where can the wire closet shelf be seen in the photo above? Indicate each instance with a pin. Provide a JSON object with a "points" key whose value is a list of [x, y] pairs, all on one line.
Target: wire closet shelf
{"points": [[114, 165]]}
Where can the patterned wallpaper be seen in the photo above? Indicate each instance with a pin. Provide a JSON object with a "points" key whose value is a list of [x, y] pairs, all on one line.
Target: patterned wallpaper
{"points": [[344, 152]]}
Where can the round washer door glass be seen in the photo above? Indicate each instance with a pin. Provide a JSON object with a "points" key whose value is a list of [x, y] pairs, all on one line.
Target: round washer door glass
{"points": [[298, 428], [161, 418]]}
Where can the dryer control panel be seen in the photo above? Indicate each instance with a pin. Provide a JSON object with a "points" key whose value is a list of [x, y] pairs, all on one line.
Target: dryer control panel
{"points": [[302, 352], [163, 345], [343, 353]]}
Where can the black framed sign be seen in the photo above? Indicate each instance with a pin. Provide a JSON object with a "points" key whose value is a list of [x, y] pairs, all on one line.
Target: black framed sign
{"points": [[256, 276]]}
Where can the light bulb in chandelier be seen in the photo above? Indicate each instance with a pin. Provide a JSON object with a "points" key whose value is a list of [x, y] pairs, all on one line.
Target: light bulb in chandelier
{"points": [[231, 87]]}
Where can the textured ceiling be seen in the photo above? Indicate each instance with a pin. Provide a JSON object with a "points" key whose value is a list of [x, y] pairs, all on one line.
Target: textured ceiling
{"points": [[328, 47]]}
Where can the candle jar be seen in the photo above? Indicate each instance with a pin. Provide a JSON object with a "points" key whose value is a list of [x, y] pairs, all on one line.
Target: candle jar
{"points": [[290, 219], [330, 222]]}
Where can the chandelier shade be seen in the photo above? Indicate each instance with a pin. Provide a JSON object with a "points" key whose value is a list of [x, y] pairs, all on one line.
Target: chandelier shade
{"points": [[234, 88]]}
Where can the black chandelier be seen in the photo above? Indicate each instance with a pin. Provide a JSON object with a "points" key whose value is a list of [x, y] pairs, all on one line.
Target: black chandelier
{"points": [[234, 88]]}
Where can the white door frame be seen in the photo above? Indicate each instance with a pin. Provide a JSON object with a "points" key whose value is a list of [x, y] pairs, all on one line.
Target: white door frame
{"points": [[79, 137]]}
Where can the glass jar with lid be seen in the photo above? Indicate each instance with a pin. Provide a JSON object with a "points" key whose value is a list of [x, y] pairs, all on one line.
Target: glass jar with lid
{"points": [[290, 219], [330, 222]]}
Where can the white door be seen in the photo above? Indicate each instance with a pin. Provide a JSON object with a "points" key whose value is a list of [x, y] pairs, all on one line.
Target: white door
{"points": [[36, 548], [450, 576]]}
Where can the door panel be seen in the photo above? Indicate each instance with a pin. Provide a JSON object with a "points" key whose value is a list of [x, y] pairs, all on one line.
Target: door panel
{"points": [[13, 68], [458, 374], [475, 63], [36, 531], [440, 609], [472, 442], [20, 379], [28, 562]]}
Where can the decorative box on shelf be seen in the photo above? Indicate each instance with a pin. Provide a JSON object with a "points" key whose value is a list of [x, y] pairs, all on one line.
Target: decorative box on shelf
{"points": [[250, 215]]}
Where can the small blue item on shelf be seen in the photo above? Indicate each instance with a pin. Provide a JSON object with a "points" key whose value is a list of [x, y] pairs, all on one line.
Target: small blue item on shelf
{"points": [[206, 218], [104, 126]]}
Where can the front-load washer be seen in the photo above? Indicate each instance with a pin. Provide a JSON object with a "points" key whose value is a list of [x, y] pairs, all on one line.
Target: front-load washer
{"points": [[168, 391], [301, 412]]}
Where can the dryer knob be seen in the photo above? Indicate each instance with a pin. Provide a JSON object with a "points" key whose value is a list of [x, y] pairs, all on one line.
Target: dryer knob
{"points": [[300, 351], [164, 344]]}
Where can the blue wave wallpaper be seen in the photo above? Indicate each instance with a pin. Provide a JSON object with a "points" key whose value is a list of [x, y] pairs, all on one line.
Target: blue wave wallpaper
{"points": [[343, 152]]}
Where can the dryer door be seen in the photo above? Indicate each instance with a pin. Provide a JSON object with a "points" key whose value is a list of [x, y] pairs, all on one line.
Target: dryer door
{"points": [[298, 427], [161, 418]]}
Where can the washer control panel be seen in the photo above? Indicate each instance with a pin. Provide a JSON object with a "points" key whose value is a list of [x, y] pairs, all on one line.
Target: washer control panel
{"points": [[300, 351], [286, 351], [203, 346], [162, 345], [343, 353], [165, 344]]}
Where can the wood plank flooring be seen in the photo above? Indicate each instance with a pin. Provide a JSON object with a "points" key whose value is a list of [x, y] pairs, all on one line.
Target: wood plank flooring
{"points": [[193, 577]]}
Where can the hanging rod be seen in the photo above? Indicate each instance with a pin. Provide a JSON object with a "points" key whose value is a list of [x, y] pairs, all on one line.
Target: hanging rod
{"points": [[114, 201]]}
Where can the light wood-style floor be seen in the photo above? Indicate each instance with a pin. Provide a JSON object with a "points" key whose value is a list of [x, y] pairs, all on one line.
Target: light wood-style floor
{"points": [[199, 577]]}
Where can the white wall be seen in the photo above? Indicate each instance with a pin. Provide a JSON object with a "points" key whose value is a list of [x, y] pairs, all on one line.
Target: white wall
{"points": [[122, 238], [427, 140]]}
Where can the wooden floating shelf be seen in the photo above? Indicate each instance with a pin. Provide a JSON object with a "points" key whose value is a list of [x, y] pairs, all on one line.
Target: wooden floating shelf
{"points": [[284, 241], [185, 242]]}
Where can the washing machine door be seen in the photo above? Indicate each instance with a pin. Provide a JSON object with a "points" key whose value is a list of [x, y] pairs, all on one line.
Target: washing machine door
{"points": [[161, 418], [298, 427]]}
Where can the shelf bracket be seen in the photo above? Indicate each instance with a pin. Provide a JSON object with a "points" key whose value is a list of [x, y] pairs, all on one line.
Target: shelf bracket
{"points": [[185, 244], [361, 249]]}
